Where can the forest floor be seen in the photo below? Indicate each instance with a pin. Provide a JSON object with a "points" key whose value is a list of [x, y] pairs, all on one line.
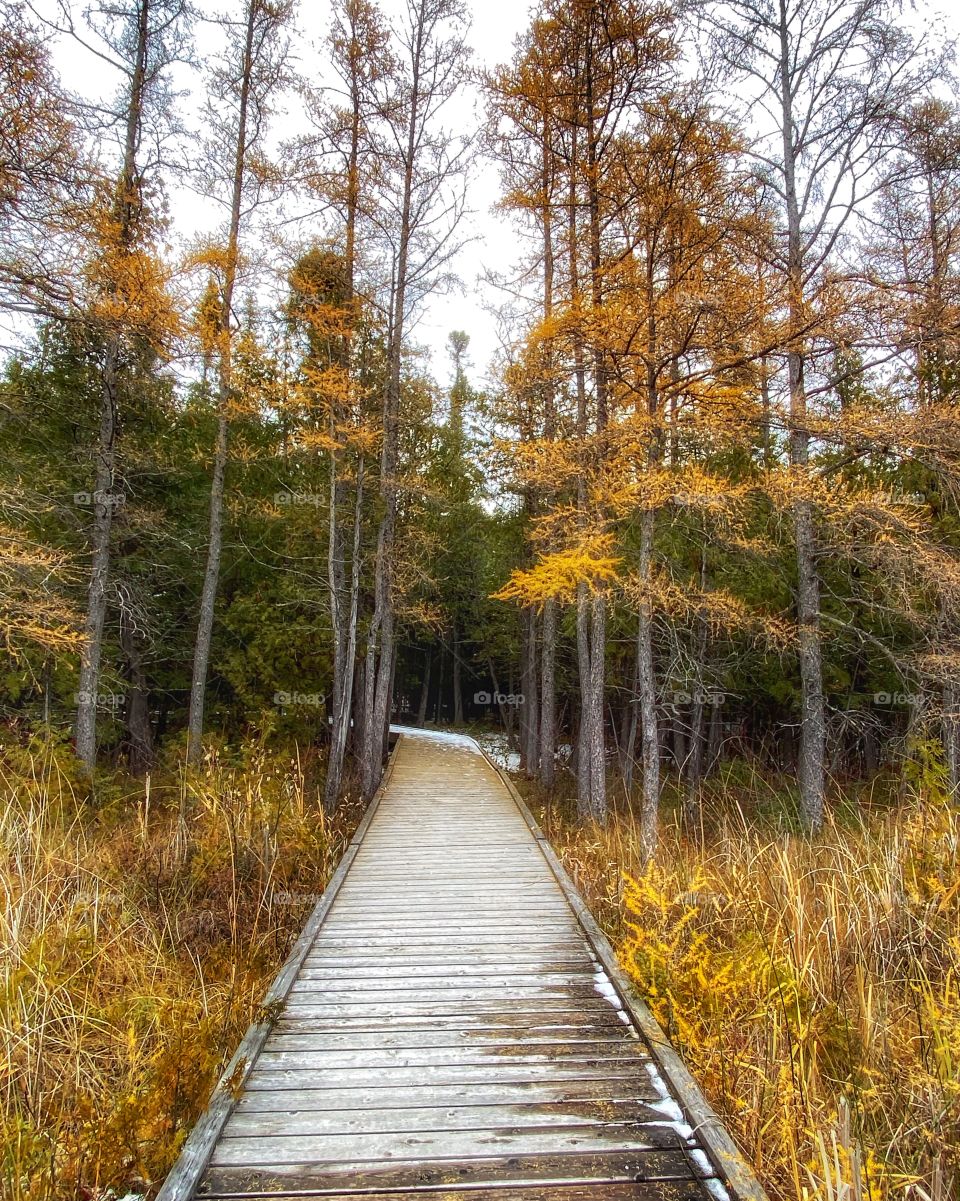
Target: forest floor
{"points": [[813, 986]]}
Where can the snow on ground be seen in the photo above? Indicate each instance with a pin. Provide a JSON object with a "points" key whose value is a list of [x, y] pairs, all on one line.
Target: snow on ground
{"points": [[498, 748]]}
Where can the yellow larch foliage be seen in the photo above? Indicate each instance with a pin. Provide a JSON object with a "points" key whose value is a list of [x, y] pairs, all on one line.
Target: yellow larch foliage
{"points": [[558, 575]]}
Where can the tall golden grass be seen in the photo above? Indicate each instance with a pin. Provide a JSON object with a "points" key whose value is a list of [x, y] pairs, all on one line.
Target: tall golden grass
{"points": [[812, 985], [139, 932]]}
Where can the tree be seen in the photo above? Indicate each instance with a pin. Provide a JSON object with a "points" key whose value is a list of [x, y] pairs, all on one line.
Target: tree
{"points": [[422, 206], [243, 85], [44, 182], [360, 53], [128, 304], [828, 78]]}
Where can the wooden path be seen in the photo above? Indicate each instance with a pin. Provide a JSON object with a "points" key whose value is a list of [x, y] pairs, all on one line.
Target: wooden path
{"points": [[452, 1022]]}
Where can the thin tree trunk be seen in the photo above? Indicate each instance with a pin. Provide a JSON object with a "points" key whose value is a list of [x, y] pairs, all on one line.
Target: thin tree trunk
{"points": [[813, 716], [714, 735], [85, 728], [457, 689], [630, 742], [597, 741], [126, 204], [691, 802], [548, 695], [208, 599], [343, 695], [425, 689], [529, 722], [584, 774], [647, 696], [139, 733]]}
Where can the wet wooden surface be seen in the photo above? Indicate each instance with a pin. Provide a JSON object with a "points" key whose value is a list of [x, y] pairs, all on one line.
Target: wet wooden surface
{"points": [[449, 1030]]}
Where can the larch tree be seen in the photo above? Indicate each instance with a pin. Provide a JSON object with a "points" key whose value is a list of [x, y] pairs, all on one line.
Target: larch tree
{"points": [[825, 80], [597, 63], [244, 84], [421, 205], [914, 284], [344, 176], [127, 299]]}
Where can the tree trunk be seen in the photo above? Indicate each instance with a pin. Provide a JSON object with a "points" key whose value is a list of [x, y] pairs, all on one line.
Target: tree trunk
{"points": [[647, 696], [691, 802], [597, 742], [529, 723], [457, 688], [343, 691], [208, 598], [425, 689], [584, 774], [139, 733], [548, 696], [85, 727], [126, 203], [813, 716], [714, 735]]}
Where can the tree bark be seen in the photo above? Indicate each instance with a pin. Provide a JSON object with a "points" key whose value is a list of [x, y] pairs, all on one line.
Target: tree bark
{"points": [[343, 679], [647, 696], [139, 732], [548, 696], [425, 689], [85, 727], [457, 688]]}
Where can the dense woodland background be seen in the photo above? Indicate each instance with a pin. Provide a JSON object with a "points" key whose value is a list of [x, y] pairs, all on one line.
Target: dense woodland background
{"points": [[695, 551]]}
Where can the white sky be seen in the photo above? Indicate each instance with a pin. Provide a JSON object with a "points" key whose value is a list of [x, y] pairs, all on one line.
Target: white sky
{"points": [[495, 25]]}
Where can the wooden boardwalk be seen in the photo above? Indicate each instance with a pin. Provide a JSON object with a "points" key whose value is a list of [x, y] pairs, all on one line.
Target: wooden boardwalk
{"points": [[452, 1022]]}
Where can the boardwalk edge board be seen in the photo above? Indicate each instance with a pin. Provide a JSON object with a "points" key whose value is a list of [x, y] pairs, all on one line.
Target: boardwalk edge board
{"points": [[724, 1153], [182, 1179]]}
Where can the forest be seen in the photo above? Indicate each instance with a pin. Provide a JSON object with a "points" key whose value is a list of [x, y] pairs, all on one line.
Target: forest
{"points": [[686, 554]]}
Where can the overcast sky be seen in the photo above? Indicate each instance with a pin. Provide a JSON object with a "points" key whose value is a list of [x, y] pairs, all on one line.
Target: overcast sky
{"points": [[495, 26]]}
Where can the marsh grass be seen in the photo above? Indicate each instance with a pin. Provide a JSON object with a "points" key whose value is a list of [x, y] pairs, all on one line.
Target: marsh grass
{"points": [[812, 985], [140, 929]]}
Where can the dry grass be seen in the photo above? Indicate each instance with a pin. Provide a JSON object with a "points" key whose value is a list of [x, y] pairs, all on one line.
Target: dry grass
{"points": [[139, 933], [813, 986]]}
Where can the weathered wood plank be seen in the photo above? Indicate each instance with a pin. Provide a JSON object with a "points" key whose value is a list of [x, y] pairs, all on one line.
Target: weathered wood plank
{"points": [[350, 1148], [610, 1167], [437, 1074], [662, 1190], [556, 1115]]}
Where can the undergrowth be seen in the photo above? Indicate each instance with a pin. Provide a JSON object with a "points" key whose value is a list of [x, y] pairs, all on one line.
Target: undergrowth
{"points": [[812, 986], [140, 929]]}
